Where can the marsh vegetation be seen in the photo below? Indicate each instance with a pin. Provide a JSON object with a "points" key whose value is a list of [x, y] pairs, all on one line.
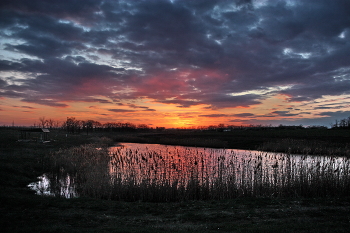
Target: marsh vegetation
{"points": [[159, 173]]}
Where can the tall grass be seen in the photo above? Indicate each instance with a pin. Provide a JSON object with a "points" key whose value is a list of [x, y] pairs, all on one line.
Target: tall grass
{"points": [[179, 174]]}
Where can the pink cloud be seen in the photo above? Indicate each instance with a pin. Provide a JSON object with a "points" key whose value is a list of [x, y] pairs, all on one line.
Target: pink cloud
{"points": [[185, 87]]}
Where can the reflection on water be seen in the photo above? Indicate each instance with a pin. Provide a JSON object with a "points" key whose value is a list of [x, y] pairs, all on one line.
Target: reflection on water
{"points": [[42, 187], [65, 187], [149, 166]]}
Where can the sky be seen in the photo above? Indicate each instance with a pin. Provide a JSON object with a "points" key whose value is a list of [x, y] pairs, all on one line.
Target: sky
{"points": [[175, 63]]}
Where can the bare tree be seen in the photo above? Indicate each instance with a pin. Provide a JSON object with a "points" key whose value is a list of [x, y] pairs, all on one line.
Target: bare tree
{"points": [[72, 125], [57, 124], [50, 123], [143, 127], [42, 122]]}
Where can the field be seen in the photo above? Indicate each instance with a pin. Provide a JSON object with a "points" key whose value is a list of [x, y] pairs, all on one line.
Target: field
{"points": [[23, 211]]}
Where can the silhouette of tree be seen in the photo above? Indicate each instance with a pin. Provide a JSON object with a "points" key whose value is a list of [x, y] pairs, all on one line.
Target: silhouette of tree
{"points": [[42, 122], [72, 125]]}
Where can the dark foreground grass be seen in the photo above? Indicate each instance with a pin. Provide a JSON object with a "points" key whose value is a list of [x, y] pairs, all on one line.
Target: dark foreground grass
{"points": [[23, 211]]}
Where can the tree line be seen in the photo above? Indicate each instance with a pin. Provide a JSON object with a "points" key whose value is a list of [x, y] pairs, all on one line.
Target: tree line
{"points": [[342, 123], [73, 125]]}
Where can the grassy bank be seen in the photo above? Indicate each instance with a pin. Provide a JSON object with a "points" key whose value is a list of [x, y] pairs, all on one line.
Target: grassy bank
{"points": [[23, 211]]}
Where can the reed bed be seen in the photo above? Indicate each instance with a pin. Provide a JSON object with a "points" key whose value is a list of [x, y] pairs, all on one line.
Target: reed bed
{"points": [[180, 173]]}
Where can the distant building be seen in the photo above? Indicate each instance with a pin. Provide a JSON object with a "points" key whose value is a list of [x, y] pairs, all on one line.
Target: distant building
{"points": [[35, 134]]}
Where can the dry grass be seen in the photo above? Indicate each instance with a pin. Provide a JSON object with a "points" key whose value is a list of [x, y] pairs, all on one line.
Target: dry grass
{"points": [[81, 171]]}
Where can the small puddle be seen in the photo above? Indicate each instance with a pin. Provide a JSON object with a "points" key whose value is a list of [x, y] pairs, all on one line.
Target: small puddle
{"points": [[43, 187]]}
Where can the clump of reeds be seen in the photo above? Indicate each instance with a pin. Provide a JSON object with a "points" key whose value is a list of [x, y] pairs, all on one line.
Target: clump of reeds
{"points": [[82, 170]]}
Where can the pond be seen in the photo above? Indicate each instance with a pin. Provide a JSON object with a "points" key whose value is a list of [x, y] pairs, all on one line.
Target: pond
{"points": [[161, 172]]}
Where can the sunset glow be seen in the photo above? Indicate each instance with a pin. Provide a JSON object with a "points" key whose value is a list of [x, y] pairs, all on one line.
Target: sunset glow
{"points": [[175, 63]]}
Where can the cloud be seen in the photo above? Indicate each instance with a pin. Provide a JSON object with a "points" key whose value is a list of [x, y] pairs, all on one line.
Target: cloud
{"points": [[328, 107], [62, 80], [80, 11], [284, 113], [149, 110], [28, 107], [337, 114], [244, 115], [102, 101], [47, 102], [239, 115], [143, 108], [219, 54], [121, 110], [214, 115]]}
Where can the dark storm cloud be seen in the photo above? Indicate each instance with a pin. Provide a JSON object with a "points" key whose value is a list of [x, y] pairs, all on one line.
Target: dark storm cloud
{"points": [[70, 47], [77, 9]]}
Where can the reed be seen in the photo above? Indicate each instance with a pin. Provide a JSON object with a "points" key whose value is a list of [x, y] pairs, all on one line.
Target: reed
{"points": [[197, 174]]}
